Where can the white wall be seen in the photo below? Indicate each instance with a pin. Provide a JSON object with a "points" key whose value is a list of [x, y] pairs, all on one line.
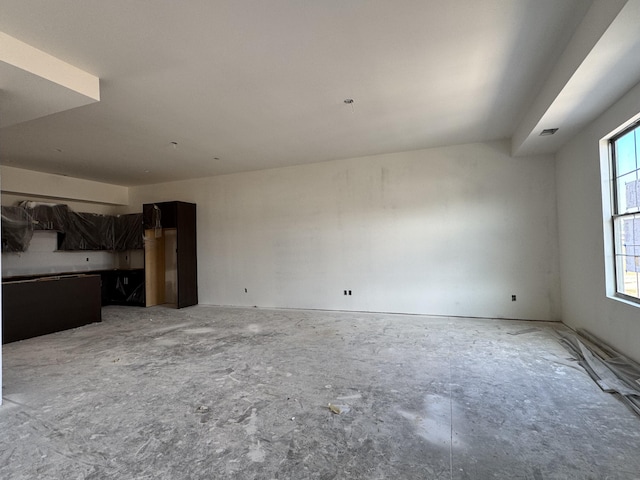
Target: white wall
{"points": [[582, 234], [449, 231]]}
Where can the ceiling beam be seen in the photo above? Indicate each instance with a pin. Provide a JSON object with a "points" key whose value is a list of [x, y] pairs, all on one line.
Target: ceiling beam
{"points": [[598, 66], [34, 84], [60, 188]]}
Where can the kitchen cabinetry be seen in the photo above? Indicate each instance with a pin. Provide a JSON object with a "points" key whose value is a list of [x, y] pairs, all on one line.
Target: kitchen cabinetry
{"points": [[45, 305], [48, 217], [171, 274], [17, 229], [123, 287], [128, 232], [87, 231]]}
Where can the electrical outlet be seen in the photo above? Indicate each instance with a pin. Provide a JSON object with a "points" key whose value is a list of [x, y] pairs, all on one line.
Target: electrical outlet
{"points": [[513, 298], [345, 292], [349, 292], [245, 290]]}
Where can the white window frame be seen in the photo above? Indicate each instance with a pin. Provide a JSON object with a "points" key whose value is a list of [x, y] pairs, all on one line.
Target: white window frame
{"points": [[617, 219]]}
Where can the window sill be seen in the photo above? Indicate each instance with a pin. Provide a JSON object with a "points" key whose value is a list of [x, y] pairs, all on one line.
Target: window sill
{"points": [[624, 299]]}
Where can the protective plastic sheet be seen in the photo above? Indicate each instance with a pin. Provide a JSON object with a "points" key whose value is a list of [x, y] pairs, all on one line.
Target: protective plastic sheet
{"points": [[133, 294], [613, 372], [46, 216], [87, 231], [78, 230], [17, 229], [128, 232]]}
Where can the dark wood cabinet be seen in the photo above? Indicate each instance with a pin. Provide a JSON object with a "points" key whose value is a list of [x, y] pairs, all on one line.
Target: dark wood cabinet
{"points": [[87, 231], [123, 287], [76, 230], [161, 214], [171, 268], [49, 217], [91, 231], [128, 232], [48, 304], [187, 255], [17, 229]]}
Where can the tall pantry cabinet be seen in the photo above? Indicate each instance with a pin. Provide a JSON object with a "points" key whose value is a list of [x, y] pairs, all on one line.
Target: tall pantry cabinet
{"points": [[170, 248]]}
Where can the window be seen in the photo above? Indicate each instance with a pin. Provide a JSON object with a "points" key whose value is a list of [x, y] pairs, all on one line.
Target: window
{"points": [[625, 159]]}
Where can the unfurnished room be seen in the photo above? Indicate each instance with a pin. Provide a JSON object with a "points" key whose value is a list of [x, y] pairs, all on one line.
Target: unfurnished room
{"points": [[295, 239]]}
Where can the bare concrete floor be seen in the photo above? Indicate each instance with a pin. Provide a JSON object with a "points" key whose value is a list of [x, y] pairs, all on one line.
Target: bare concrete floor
{"points": [[208, 393]]}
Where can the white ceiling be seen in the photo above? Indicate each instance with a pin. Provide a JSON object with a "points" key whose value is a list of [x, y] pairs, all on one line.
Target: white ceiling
{"points": [[260, 84]]}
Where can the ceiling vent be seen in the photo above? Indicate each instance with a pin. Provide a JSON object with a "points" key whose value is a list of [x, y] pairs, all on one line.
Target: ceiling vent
{"points": [[548, 131]]}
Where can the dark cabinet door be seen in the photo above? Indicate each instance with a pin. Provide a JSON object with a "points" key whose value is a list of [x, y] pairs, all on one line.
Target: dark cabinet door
{"points": [[127, 232], [87, 231], [161, 214], [49, 217], [17, 229], [187, 264], [123, 287]]}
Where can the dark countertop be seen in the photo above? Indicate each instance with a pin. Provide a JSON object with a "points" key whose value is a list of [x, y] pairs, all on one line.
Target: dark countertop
{"points": [[50, 275]]}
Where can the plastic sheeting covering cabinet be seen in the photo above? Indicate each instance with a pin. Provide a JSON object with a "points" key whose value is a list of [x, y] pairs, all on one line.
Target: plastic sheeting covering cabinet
{"points": [[76, 230], [17, 229], [90, 231], [46, 216], [128, 232], [87, 231]]}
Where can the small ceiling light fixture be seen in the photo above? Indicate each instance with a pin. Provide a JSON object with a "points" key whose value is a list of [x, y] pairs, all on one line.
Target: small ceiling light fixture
{"points": [[349, 101], [548, 131]]}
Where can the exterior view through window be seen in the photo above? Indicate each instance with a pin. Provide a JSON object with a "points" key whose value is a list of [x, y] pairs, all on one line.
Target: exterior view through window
{"points": [[625, 153]]}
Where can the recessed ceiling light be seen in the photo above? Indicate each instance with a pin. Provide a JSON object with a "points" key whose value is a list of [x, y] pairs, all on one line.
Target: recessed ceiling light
{"points": [[349, 101], [548, 131]]}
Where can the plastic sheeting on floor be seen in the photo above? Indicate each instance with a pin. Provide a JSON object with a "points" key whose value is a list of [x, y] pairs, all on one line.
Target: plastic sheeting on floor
{"points": [[612, 371]]}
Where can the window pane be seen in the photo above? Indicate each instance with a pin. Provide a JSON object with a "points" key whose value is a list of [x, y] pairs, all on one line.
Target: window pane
{"points": [[627, 253], [626, 154], [618, 233], [627, 197], [637, 140], [627, 237], [626, 207], [628, 275]]}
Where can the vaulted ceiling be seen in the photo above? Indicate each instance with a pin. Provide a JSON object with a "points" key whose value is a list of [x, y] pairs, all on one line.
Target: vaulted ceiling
{"points": [[204, 87]]}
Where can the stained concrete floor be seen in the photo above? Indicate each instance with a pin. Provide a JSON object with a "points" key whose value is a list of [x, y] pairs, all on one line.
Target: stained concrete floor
{"points": [[232, 393]]}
